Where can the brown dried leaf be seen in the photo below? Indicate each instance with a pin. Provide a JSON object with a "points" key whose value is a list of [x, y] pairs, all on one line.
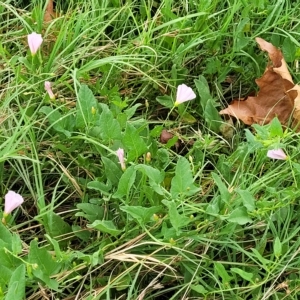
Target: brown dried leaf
{"points": [[279, 64], [276, 96], [296, 114], [165, 136], [274, 54], [50, 14]]}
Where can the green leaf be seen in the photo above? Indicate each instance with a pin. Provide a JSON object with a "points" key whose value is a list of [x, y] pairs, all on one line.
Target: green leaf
{"points": [[133, 143], [140, 213], [25, 61], [167, 232], [99, 186], [58, 122], [105, 227], [188, 118], [211, 115], [5, 275], [241, 42], [289, 50], [156, 131], [5, 235], [16, 245], [45, 264], [154, 175], [7, 259], [236, 67], [177, 220], [248, 199], [122, 119], [213, 207], [245, 275], [91, 212], [276, 128], [55, 244], [171, 142], [84, 235], [239, 216], [221, 271], [213, 65], [263, 260], [225, 195], [131, 111], [85, 105], [200, 289], [183, 182], [277, 247], [165, 101], [126, 181], [56, 226], [109, 127], [113, 171], [203, 90], [16, 286], [243, 25]]}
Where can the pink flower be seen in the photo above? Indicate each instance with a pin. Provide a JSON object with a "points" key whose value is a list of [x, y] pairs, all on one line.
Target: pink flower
{"points": [[120, 154], [12, 201], [48, 89], [184, 93], [34, 42], [277, 154]]}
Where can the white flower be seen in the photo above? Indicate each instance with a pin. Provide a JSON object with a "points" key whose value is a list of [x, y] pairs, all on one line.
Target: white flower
{"points": [[12, 201], [34, 42], [277, 154], [184, 93]]}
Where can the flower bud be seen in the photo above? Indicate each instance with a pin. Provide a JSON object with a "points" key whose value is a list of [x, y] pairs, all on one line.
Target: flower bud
{"points": [[49, 90], [155, 217], [120, 154], [148, 157], [172, 242]]}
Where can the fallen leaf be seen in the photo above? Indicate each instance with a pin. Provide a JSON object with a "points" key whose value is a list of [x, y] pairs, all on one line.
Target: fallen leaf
{"points": [[50, 14], [278, 96], [165, 136]]}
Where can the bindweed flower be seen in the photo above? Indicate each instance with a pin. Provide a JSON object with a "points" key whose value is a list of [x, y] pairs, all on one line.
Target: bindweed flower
{"points": [[34, 42], [277, 154], [184, 93], [120, 154], [49, 90], [12, 201]]}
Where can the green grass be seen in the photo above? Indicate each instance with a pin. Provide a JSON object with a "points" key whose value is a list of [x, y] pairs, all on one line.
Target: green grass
{"points": [[209, 216]]}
